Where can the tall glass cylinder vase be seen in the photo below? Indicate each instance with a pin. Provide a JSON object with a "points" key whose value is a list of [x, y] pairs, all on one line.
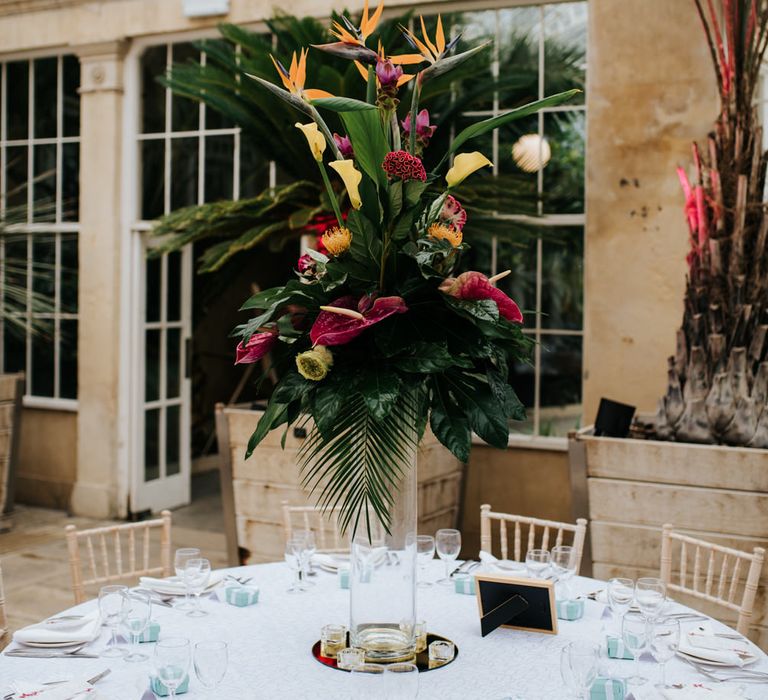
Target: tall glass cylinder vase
{"points": [[382, 582]]}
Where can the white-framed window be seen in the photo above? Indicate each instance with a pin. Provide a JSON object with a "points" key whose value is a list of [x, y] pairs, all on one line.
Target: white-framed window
{"points": [[39, 208]]}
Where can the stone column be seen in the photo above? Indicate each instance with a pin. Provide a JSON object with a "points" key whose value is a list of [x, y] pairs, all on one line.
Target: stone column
{"points": [[101, 106], [651, 91]]}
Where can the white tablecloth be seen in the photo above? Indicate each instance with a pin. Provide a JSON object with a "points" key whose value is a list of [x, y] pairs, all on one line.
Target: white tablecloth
{"points": [[270, 646]]}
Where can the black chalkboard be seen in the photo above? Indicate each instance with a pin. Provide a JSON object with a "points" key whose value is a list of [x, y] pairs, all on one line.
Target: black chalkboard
{"points": [[530, 604]]}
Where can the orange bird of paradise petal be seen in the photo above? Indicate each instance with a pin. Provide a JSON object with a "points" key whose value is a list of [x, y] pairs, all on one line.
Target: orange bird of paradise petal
{"points": [[368, 26], [429, 51], [294, 78]]}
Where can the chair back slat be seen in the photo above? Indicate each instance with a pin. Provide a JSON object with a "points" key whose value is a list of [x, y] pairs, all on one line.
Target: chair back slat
{"points": [[578, 530], [3, 613], [324, 524], [704, 590], [110, 566]]}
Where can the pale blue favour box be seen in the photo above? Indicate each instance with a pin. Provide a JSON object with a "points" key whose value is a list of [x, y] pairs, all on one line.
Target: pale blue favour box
{"points": [[157, 687], [151, 633], [616, 649], [607, 689], [464, 584], [569, 609], [241, 596], [343, 578]]}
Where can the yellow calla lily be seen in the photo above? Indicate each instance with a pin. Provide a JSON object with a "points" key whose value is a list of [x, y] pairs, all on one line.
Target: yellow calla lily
{"points": [[315, 139], [352, 177], [464, 165]]}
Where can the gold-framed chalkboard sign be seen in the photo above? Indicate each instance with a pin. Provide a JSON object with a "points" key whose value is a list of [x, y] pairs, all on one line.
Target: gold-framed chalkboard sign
{"points": [[515, 603]]}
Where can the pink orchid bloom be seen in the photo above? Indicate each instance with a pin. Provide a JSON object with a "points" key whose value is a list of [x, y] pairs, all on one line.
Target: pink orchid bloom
{"points": [[453, 213], [424, 129], [332, 328], [475, 286], [344, 145], [388, 73], [258, 345]]}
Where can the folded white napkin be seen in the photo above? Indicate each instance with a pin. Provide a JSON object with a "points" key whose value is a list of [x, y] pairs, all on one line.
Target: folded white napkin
{"points": [[704, 645], [699, 692], [70, 690], [174, 585], [325, 561], [491, 563], [86, 630]]}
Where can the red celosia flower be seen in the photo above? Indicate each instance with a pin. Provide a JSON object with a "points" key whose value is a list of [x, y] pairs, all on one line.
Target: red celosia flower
{"points": [[474, 286], [258, 345], [402, 165], [453, 213], [333, 328]]}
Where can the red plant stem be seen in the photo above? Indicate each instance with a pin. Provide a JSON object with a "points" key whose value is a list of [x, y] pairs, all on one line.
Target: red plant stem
{"points": [[717, 36]]}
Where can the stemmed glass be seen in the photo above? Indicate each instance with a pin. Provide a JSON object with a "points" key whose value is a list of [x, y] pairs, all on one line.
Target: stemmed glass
{"points": [[293, 552], [583, 659], [563, 561], [425, 552], [634, 633], [566, 673], [211, 660], [448, 545], [172, 662], [664, 637], [180, 560], [113, 606], [401, 681], [197, 573], [307, 551], [650, 594], [137, 616], [537, 562], [621, 592]]}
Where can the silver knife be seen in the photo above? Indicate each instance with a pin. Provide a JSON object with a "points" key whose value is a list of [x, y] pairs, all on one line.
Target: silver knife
{"points": [[51, 655]]}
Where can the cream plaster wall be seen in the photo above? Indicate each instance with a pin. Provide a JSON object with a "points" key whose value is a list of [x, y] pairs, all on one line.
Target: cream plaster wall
{"points": [[651, 92]]}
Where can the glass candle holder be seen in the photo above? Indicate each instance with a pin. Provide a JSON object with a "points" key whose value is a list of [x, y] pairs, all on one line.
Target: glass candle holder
{"points": [[420, 634], [440, 653], [333, 638], [350, 657]]}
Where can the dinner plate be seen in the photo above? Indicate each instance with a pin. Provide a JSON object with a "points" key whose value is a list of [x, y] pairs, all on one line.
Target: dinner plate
{"points": [[52, 645], [510, 565], [751, 658], [173, 588]]}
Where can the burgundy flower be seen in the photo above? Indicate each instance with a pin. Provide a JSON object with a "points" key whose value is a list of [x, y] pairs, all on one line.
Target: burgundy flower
{"points": [[474, 286], [453, 213], [402, 165], [344, 145], [388, 73], [305, 263], [258, 345], [424, 129], [333, 328]]}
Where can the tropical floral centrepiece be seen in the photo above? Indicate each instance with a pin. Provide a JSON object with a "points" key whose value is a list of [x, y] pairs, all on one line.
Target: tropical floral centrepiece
{"points": [[377, 334]]}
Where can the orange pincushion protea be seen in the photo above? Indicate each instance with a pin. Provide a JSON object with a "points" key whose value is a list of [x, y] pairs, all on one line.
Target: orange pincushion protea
{"points": [[337, 240], [446, 232]]}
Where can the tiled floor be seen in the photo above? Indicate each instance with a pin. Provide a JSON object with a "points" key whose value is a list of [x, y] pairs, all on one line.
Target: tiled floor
{"points": [[33, 555]]}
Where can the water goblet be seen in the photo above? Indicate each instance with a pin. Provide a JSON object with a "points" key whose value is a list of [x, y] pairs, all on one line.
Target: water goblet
{"points": [[210, 661], [293, 549], [583, 659], [448, 545], [401, 681], [621, 592], [171, 662], [306, 555], [537, 562], [566, 674], [663, 639], [563, 562], [634, 633], [650, 594], [179, 562], [197, 574], [425, 553], [137, 616], [113, 606]]}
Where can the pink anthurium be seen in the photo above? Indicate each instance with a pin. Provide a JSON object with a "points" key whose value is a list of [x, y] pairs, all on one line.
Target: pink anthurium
{"points": [[345, 319], [475, 286], [258, 345]]}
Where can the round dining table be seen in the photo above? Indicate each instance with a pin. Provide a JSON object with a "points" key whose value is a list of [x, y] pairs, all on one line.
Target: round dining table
{"points": [[270, 646]]}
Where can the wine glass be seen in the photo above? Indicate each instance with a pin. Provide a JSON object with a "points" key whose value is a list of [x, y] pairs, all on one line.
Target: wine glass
{"points": [[634, 633], [650, 594], [210, 661], [425, 553], [563, 562], [113, 606], [172, 662], [306, 555], [179, 562], [137, 616], [537, 562], [621, 592], [293, 549], [448, 545], [663, 639], [197, 574], [401, 681], [566, 674], [583, 659]]}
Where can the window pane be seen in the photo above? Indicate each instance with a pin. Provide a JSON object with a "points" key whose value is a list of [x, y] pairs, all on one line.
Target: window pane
{"points": [[69, 263], [152, 179], [219, 159], [522, 378], [14, 347], [173, 304], [185, 113], [562, 278], [173, 366], [15, 266], [560, 384], [184, 157], [213, 118], [254, 169], [172, 440], [17, 100], [152, 365], [151, 444], [153, 289], [44, 186], [475, 28], [520, 257], [565, 48], [43, 272], [16, 178], [70, 185], [45, 97], [68, 359], [71, 68], [42, 359], [564, 176], [519, 37], [153, 63]]}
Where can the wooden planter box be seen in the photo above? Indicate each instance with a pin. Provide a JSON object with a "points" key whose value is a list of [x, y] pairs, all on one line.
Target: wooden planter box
{"points": [[629, 488], [11, 391], [253, 490]]}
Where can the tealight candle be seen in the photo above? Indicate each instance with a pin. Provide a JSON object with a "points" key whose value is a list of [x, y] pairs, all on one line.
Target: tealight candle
{"points": [[420, 633], [333, 638], [440, 653], [350, 657]]}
